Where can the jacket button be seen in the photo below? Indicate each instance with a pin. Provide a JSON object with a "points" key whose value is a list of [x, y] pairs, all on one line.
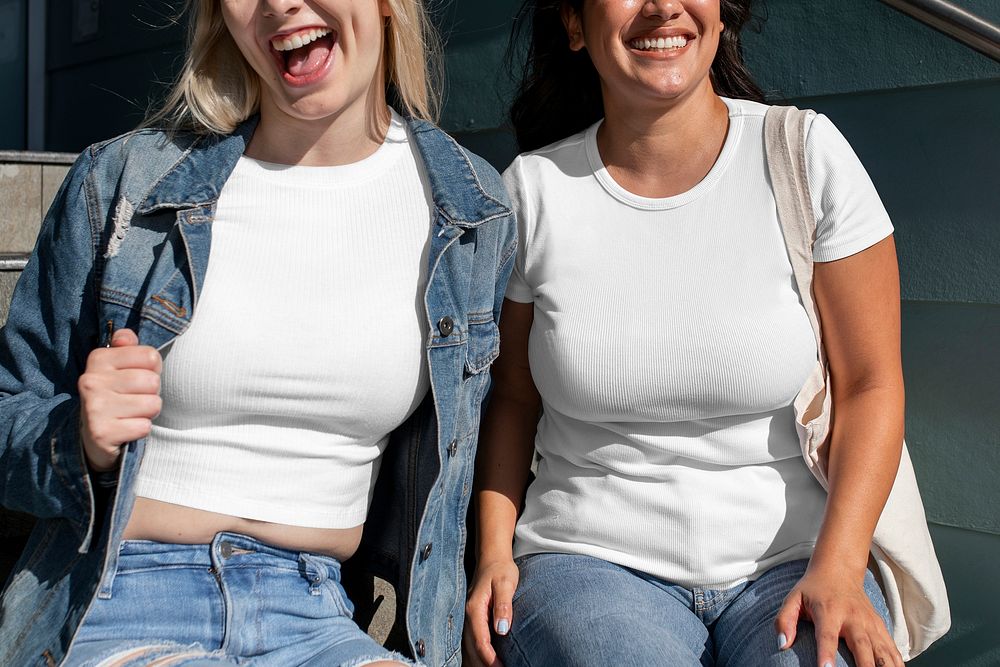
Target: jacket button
{"points": [[425, 553], [446, 325], [421, 648], [226, 549], [453, 448]]}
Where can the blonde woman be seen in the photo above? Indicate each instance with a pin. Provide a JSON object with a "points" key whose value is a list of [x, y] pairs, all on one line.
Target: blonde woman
{"points": [[228, 327]]}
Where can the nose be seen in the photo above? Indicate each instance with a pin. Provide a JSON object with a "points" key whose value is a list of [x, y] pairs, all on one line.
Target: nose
{"points": [[280, 8], [663, 9]]}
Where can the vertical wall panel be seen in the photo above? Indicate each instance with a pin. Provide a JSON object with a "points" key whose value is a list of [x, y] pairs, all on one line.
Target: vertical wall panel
{"points": [[13, 72]]}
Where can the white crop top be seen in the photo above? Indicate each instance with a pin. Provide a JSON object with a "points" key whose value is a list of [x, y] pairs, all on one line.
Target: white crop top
{"points": [[668, 344], [307, 347]]}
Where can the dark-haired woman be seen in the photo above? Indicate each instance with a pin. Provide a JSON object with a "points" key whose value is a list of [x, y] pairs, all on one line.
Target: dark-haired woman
{"points": [[654, 322]]}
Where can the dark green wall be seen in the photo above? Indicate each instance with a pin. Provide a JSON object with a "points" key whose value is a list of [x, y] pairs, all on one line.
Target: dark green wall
{"points": [[100, 86], [13, 73]]}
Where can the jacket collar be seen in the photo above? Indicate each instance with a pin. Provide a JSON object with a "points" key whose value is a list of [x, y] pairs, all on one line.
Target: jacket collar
{"points": [[455, 185], [197, 177]]}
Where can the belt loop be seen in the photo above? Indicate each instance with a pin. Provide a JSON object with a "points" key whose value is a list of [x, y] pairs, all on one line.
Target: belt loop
{"points": [[313, 570], [110, 571]]}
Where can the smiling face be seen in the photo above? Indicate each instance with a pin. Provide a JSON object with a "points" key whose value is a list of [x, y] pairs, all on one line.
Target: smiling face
{"points": [[653, 51], [316, 59]]}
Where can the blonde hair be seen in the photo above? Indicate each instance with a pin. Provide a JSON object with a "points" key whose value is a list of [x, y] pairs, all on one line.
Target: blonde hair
{"points": [[217, 89]]}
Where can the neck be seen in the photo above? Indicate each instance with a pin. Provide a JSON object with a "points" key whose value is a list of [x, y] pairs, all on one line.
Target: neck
{"points": [[347, 136], [661, 151]]}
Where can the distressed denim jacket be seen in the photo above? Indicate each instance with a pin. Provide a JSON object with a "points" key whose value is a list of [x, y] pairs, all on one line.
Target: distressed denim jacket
{"points": [[127, 241]]}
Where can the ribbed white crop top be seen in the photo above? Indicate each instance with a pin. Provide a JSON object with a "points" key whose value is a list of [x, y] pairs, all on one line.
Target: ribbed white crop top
{"points": [[307, 344]]}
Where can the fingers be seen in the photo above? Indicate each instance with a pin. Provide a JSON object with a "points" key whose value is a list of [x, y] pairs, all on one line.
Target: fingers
{"points": [[125, 381], [476, 636], [827, 636], [119, 397], [788, 620], [124, 338], [503, 593], [124, 357], [861, 648], [863, 631], [870, 642]]}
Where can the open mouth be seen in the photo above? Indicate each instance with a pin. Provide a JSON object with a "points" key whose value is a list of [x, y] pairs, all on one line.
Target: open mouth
{"points": [[303, 56], [673, 43]]}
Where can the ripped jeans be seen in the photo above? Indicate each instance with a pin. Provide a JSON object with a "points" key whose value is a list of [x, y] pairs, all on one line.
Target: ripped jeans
{"points": [[234, 601]]}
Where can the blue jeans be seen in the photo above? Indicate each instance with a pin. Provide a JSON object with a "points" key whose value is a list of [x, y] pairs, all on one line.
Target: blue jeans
{"points": [[578, 611], [234, 601]]}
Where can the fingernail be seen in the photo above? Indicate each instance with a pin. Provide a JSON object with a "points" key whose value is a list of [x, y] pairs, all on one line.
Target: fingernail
{"points": [[827, 664], [503, 625], [782, 640]]}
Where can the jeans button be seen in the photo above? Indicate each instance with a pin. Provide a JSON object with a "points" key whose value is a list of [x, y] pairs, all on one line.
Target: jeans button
{"points": [[226, 549], [446, 325], [421, 648]]}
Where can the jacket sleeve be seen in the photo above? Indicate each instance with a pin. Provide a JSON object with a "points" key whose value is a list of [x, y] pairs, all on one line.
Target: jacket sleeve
{"points": [[51, 327]]}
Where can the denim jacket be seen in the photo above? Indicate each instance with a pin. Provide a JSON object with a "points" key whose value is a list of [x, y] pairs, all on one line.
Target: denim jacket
{"points": [[127, 241]]}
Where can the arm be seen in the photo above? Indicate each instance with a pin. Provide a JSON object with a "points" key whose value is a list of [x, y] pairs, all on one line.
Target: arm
{"points": [[858, 298], [503, 461], [51, 326]]}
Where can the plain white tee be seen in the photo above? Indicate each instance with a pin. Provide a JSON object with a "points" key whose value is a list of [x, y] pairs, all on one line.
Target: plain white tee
{"points": [[668, 344], [307, 344]]}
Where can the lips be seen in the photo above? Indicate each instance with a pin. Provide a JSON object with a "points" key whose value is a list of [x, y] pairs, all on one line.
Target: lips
{"points": [[303, 56]]}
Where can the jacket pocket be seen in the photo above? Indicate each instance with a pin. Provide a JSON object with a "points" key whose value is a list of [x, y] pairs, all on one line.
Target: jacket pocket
{"points": [[483, 345]]}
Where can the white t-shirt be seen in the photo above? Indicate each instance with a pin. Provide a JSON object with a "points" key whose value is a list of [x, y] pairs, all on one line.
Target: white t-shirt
{"points": [[668, 343], [307, 346]]}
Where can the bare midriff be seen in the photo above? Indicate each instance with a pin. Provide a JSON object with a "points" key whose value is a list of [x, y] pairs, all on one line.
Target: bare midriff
{"points": [[166, 522]]}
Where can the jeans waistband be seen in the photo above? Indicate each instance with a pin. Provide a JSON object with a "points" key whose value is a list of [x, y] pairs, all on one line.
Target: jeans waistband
{"points": [[227, 550]]}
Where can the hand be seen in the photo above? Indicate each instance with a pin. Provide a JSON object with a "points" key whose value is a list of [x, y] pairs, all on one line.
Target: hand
{"points": [[492, 590], [838, 607], [119, 397]]}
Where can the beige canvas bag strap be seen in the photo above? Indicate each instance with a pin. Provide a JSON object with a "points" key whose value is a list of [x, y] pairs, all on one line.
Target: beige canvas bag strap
{"points": [[785, 138], [784, 141]]}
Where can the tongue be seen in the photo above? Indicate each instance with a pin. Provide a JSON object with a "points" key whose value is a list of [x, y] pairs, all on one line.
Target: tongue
{"points": [[309, 58]]}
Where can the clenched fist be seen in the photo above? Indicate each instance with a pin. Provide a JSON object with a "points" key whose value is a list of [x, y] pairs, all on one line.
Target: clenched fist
{"points": [[119, 397]]}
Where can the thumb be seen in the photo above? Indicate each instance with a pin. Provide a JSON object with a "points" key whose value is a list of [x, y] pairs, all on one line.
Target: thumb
{"points": [[124, 338], [788, 620]]}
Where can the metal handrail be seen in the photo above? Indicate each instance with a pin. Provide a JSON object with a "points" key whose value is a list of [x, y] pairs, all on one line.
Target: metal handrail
{"points": [[13, 261], [970, 29]]}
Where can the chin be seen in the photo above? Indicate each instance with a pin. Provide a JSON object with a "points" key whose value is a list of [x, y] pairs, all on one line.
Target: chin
{"points": [[313, 109]]}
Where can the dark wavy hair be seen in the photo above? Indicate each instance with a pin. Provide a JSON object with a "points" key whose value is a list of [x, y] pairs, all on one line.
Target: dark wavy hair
{"points": [[560, 91]]}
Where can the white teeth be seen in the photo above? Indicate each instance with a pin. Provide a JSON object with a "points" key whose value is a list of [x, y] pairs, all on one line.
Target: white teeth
{"points": [[648, 44], [299, 40]]}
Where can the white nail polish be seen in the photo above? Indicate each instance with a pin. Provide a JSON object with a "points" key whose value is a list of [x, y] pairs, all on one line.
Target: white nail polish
{"points": [[503, 626], [782, 640]]}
